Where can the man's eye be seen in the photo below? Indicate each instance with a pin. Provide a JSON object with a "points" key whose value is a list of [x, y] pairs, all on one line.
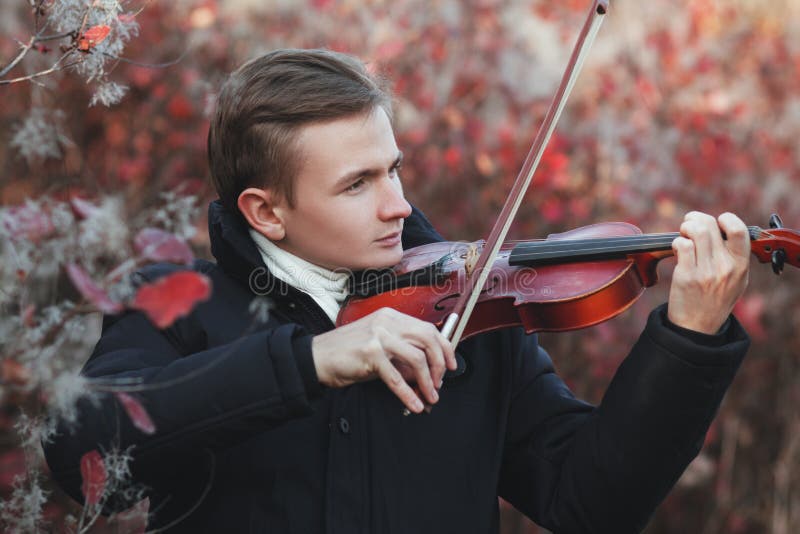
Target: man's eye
{"points": [[355, 186], [395, 171]]}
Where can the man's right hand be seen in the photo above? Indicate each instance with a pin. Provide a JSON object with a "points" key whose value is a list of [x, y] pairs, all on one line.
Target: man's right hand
{"points": [[399, 349]]}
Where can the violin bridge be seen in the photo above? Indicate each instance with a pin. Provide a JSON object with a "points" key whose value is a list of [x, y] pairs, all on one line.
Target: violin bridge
{"points": [[471, 259]]}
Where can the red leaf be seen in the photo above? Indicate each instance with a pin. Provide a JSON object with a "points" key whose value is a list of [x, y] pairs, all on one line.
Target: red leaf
{"points": [[93, 37], [158, 245], [93, 473], [132, 520], [90, 291], [172, 296], [137, 413]]}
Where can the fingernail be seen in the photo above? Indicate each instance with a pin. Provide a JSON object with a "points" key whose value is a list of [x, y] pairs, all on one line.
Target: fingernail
{"points": [[428, 409], [435, 395], [418, 406]]}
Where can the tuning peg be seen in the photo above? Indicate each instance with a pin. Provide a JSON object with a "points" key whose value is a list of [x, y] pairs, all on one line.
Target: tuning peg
{"points": [[778, 259], [775, 221]]}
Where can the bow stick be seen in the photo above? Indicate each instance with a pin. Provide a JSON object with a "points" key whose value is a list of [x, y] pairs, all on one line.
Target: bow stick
{"points": [[457, 321]]}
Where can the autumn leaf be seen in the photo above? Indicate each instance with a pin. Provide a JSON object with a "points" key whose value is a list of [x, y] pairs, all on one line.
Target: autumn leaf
{"points": [[137, 413], [132, 520], [93, 37], [91, 291], [172, 296], [158, 245], [93, 474]]}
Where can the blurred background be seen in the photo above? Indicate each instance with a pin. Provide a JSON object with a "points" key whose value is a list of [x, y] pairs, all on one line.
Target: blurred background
{"points": [[681, 106]]}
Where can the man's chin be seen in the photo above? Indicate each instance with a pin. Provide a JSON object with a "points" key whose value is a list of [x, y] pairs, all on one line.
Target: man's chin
{"points": [[382, 261]]}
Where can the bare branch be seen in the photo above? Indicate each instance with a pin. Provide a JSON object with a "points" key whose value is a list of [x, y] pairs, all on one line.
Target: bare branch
{"points": [[25, 49], [149, 65], [144, 5], [54, 37], [51, 70]]}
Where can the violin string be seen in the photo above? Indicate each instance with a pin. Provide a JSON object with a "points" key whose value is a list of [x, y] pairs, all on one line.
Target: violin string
{"points": [[636, 243]]}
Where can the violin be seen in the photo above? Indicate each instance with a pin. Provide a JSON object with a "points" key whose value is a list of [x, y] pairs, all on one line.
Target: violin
{"points": [[567, 281]]}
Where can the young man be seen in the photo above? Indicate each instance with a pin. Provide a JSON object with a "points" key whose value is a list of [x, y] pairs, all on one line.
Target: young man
{"points": [[294, 426]]}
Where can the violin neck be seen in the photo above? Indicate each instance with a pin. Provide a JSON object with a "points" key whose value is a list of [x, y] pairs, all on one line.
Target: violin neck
{"points": [[596, 249]]}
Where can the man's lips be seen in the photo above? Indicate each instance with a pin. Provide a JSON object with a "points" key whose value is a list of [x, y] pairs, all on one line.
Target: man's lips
{"points": [[392, 238]]}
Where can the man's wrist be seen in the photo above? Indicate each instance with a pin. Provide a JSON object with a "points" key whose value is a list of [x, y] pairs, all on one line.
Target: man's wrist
{"points": [[717, 339]]}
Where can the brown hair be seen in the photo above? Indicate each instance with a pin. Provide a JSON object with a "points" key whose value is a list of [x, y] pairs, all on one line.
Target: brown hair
{"points": [[262, 105]]}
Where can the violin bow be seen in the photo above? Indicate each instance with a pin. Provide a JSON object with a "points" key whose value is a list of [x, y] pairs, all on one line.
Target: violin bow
{"points": [[457, 321]]}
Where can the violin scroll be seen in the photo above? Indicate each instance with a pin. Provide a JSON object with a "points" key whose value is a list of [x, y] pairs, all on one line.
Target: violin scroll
{"points": [[778, 245]]}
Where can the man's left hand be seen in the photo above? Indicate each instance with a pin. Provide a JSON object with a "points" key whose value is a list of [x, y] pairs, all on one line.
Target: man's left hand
{"points": [[711, 273]]}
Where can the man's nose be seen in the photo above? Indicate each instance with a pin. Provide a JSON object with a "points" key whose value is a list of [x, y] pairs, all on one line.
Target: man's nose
{"points": [[393, 202]]}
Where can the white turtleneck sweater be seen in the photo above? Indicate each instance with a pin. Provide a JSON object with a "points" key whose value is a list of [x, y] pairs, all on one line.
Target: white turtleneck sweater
{"points": [[327, 288]]}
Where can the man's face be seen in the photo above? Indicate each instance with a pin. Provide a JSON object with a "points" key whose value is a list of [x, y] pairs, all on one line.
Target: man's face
{"points": [[349, 204]]}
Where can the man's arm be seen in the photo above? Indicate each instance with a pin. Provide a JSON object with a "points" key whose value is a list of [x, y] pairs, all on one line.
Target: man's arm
{"points": [[576, 469], [206, 400]]}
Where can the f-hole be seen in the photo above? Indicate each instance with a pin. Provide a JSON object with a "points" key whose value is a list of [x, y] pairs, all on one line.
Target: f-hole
{"points": [[490, 284]]}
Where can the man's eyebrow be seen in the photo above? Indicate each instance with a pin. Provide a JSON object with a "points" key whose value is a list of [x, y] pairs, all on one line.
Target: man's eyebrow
{"points": [[365, 173]]}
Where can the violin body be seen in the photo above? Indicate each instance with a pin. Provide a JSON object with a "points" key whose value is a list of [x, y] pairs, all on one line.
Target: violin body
{"points": [[555, 297]]}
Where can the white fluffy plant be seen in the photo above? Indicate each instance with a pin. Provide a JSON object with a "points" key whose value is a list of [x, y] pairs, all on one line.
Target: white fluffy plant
{"points": [[81, 37], [61, 263]]}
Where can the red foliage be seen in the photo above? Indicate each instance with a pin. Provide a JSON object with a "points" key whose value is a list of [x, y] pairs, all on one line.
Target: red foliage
{"points": [[93, 474], [132, 521], [157, 245], [136, 412], [93, 37], [91, 291], [172, 296]]}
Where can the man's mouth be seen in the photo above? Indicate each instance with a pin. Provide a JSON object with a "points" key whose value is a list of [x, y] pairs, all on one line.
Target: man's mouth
{"points": [[389, 239]]}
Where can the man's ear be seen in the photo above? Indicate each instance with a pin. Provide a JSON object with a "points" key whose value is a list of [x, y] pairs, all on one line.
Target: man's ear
{"points": [[263, 211]]}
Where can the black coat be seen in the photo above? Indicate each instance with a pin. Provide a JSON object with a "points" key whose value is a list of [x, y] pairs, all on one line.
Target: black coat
{"points": [[249, 441]]}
